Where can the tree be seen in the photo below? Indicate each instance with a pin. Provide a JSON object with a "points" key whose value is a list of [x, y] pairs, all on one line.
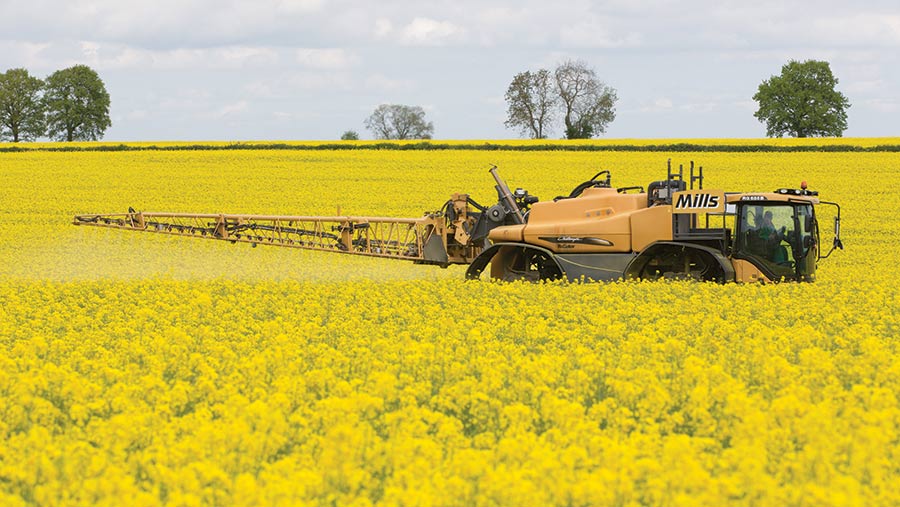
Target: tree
{"points": [[802, 102], [394, 121], [21, 110], [532, 99], [77, 105], [587, 103], [350, 135], [572, 91]]}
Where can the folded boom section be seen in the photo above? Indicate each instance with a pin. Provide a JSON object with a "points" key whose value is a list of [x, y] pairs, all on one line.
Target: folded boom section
{"points": [[417, 239]]}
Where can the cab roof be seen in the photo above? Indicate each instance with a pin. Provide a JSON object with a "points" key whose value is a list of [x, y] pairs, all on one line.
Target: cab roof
{"points": [[777, 196]]}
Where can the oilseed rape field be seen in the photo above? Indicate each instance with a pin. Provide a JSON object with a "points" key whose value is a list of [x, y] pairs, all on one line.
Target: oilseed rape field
{"points": [[142, 369]]}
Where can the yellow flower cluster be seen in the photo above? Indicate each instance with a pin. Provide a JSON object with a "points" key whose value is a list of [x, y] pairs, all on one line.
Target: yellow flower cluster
{"points": [[152, 370]]}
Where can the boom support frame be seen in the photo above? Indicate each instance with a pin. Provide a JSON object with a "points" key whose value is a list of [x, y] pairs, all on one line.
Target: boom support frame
{"points": [[431, 239]]}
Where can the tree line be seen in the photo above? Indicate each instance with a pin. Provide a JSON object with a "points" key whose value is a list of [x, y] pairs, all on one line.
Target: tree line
{"points": [[800, 102], [73, 105], [69, 105]]}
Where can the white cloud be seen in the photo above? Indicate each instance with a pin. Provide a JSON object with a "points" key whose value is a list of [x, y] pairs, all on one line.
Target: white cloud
{"points": [[317, 81], [887, 105], [502, 24], [657, 105], [596, 33], [286, 86], [862, 28], [746, 105], [241, 56], [32, 56], [494, 100], [383, 83], [865, 87], [231, 109], [429, 32], [334, 58], [186, 99], [104, 56], [383, 28], [682, 60], [298, 6], [260, 89], [893, 24], [166, 24], [700, 107], [89, 50], [136, 114]]}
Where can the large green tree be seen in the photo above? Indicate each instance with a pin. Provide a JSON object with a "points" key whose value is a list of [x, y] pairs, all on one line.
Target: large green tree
{"points": [[21, 110], [77, 105], [802, 102], [396, 121]]}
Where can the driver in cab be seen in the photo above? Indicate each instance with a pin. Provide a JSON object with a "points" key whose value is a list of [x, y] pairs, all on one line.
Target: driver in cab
{"points": [[773, 238]]}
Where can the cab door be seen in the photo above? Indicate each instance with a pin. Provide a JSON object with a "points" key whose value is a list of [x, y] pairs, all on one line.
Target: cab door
{"points": [[778, 238]]}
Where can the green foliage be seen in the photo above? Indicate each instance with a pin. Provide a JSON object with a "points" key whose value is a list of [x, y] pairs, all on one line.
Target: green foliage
{"points": [[532, 102], [802, 102], [572, 91], [350, 135], [21, 109], [579, 131], [396, 121], [588, 104], [77, 105]]}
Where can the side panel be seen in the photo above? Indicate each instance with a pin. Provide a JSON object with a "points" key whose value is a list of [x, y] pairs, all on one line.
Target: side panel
{"points": [[615, 230], [651, 225], [563, 210], [506, 233], [596, 267], [434, 251], [507, 261], [746, 272], [699, 201], [597, 221]]}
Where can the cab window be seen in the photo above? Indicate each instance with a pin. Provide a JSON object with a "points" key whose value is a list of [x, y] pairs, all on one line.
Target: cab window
{"points": [[766, 232]]}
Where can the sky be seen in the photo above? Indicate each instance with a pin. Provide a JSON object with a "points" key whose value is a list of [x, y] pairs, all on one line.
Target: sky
{"points": [[313, 69]]}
